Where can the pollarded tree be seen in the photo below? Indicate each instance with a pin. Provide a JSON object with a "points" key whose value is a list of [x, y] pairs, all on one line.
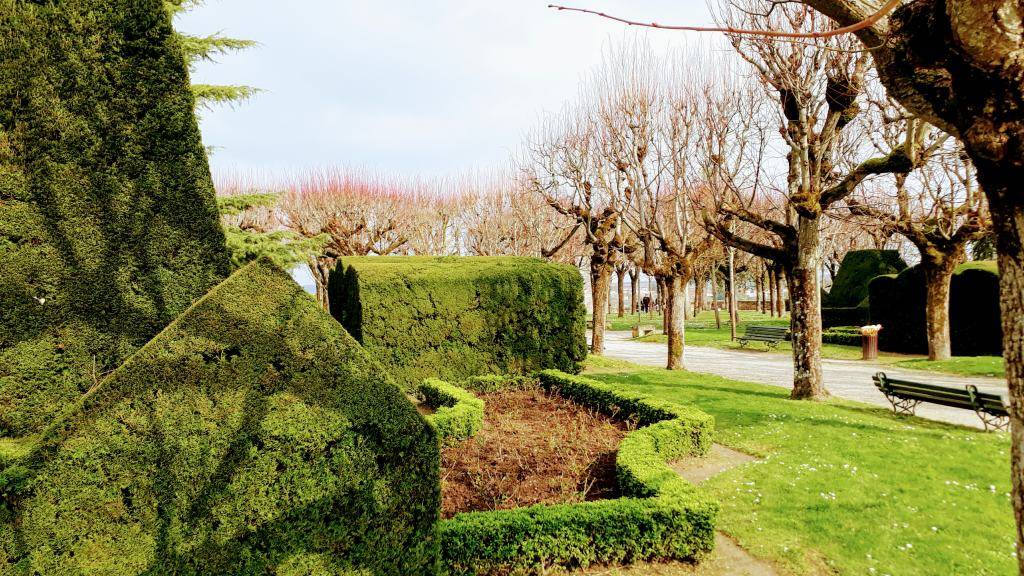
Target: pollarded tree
{"points": [[816, 86], [563, 166], [938, 208], [956, 64], [359, 213]]}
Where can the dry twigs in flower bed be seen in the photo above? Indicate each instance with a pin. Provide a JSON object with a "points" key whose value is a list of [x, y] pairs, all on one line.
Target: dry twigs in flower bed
{"points": [[534, 448]]}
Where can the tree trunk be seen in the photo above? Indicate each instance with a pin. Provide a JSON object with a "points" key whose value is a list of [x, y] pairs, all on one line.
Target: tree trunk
{"points": [[662, 288], [758, 302], [764, 291], [805, 316], [620, 274], [937, 278], [320, 269], [780, 307], [634, 288], [771, 292], [675, 321], [1002, 186], [600, 286], [699, 289]]}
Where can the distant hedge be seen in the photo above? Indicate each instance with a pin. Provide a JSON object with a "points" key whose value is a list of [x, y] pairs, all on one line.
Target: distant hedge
{"points": [[661, 516], [108, 223], [457, 317], [898, 304], [856, 316], [859, 267], [252, 436]]}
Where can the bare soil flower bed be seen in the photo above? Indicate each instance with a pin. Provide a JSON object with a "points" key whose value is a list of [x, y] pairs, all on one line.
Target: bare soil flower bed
{"points": [[534, 448]]}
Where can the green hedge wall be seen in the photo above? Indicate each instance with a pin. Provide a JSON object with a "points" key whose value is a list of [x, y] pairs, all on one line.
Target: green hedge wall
{"points": [[108, 223], [857, 316], [457, 317], [898, 303], [252, 436], [459, 414], [859, 267], [660, 516]]}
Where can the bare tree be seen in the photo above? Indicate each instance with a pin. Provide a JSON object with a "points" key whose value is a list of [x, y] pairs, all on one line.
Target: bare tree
{"points": [[816, 86], [937, 208], [562, 166], [359, 213]]}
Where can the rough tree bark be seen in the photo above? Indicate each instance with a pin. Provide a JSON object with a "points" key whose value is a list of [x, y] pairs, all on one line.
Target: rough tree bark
{"points": [[805, 318], [600, 285], [634, 287], [675, 322], [620, 276], [771, 292], [780, 307], [938, 275]]}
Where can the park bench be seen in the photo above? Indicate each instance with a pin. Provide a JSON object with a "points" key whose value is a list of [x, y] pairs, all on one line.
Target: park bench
{"points": [[905, 396], [770, 335]]}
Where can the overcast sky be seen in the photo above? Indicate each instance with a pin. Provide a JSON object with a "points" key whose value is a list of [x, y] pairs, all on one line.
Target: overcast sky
{"points": [[427, 87]]}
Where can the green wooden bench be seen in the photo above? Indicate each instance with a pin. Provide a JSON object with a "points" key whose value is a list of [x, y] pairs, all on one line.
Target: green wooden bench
{"points": [[905, 395], [770, 335]]}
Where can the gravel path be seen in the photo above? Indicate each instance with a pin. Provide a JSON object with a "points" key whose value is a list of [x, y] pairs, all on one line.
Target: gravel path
{"points": [[844, 378]]}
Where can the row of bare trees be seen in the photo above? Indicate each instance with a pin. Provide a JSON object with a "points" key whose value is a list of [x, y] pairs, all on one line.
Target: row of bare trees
{"points": [[786, 151]]}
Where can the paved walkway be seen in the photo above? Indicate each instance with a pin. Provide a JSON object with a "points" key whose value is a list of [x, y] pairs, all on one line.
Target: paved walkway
{"points": [[844, 378]]}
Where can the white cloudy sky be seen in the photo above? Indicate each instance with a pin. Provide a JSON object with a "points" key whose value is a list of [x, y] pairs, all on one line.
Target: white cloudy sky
{"points": [[416, 87]]}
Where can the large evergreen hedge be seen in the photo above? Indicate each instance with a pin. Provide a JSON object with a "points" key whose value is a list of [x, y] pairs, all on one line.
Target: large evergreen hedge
{"points": [[898, 304], [252, 436], [108, 224], [859, 267], [456, 317]]}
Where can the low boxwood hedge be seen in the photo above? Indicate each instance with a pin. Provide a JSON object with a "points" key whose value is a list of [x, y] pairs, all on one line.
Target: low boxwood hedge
{"points": [[459, 414], [660, 516], [843, 336], [251, 436], [456, 317]]}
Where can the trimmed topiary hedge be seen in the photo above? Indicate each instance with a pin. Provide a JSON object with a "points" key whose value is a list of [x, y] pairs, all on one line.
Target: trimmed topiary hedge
{"points": [[833, 317], [459, 414], [108, 223], [457, 317], [843, 336], [859, 267], [898, 304], [660, 516], [252, 436]]}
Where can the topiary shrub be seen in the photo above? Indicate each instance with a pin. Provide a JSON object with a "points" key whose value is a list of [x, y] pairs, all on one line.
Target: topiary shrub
{"points": [[898, 304], [457, 317], [252, 436], [843, 336], [459, 414], [859, 267], [661, 516], [856, 316], [108, 223]]}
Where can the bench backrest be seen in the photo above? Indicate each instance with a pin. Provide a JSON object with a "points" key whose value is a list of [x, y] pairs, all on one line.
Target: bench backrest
{"points": [[967, 397], [767, 331]]}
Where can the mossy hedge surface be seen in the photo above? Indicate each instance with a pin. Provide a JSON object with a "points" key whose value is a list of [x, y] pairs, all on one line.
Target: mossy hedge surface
{"points": [[457, 317], [898, 304], [252, 436], [108, 224], [859, 267], [661, 516]]}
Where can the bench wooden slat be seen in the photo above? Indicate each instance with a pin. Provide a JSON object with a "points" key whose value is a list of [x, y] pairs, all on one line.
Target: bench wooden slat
{"points": [[986, 404]]}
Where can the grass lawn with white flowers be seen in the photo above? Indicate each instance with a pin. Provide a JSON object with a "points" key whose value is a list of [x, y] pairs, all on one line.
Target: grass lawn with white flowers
{"points": [[847, 488]]}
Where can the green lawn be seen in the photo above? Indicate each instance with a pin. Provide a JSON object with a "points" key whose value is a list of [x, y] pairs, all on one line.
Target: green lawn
{"points": [[966, 365], [702, 331], [847, 488]]}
